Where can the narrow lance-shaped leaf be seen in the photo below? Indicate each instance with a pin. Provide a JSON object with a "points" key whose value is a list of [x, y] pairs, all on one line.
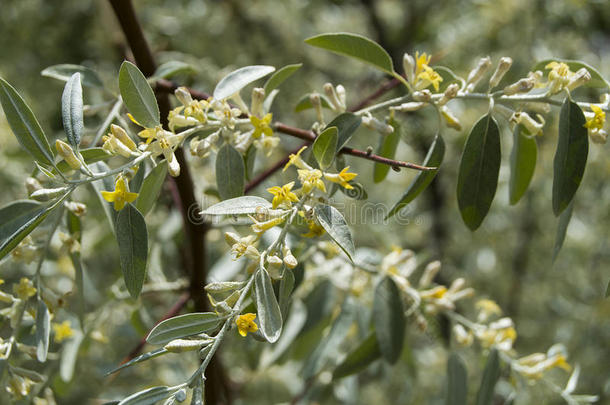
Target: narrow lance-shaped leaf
{"points": [[389, 319], [434, 158], [138, 96], [359, 358], [346, 123], [570, 156], [478, 173], [172, 68], [240, 78], [69, 355], [355, 46], [230, 172], [72, 110], [387, 148], [24, 125], [238, 206], [64, 72], [562, 229], [182, 326], [457, 379], [334, 224], [43, 330], [522, 163], [269, 313], [280, 76], [148, 396], [325, 147], [139, 359], [151, 188], [489, 380], [132, 238]]}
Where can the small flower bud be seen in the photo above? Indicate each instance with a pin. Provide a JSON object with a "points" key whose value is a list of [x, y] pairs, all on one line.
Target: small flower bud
{"points": [[66, 152], [290, 261], [598, 137], [430, 272], [523, 85], [408, 107], [408, 64], [183, 95], [503, 66], [256, 105], [579, 78], [450, 119], [173, 167], [332, 96], [122, 136], [531, 125], [231, 238], [314, 98], [78, 209], [375, 124], [252, 252], [342, 96], [47, 194], [185, 345], [31, 185], [477, 73], [450, 93], [423, 95]]}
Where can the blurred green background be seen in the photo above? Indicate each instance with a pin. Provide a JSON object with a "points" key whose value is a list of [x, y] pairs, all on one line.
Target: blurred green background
{"points": [[508, 259]]}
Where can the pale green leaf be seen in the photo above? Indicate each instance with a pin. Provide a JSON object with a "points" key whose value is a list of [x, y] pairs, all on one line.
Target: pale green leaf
{"points": [[387, 148], [72, 110], [269, 313], [69, 355], [491, 374], [182, 326], [64, 72], [240, 78], [346, 123], [132, 237], [148, 396], [43, 330], [457, 379], [478, 173], [389, 319], [151, 188], [238, 206], [286, 287], [230, 172], [334, 224], [570, 156], [139, 359], [169, 69], [138, 96], [278, 77], [325, 147], [355, 46], [522, 163]]}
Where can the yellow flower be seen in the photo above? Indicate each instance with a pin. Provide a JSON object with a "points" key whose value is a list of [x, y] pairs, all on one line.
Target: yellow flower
{"points": [[428, 77], [245, 323], [25, 289], [559, 76], [297, 160], [315, 229], [283, 195], [62, 331], [120, 195], [422, 62], [434, 293], [342, 178], [486, 309], [311, 179], [147, 133], [260, 227], [261, 125], [596, 122]]}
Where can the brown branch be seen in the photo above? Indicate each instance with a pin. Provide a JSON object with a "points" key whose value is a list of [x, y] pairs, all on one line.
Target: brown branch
{"points": [[267, 173], [387, 86]]}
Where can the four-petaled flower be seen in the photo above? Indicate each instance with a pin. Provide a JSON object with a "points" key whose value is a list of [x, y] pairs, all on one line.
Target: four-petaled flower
{"points": [[559, 76], [25, 289], [121, 195], [245, 323], [62, 331], [342, 178], [310, 179], [261, 125], [283, 195], [315, 229], [295, 159]]}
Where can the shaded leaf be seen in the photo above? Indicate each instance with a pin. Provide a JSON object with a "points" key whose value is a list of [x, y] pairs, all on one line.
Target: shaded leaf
{"points": [[359, 358], [151, 188], [334, 224], [43, 330], [138, 96], [356, 46], [478, 173], [148, 396], [64, 72], [489, 379], [269, 313], [305, 103], [278, 77], [72, 110], [562, 228], [346, 123], [457, 379], [389, 319], [570, 156], [24, 125], [182, 326], [240, 78], [249, 161], [286, 287], [434, 158], [522, 163], [143, 357], [172, 68], [230, 172], [325, 147], [387, 148], [132, 237]]}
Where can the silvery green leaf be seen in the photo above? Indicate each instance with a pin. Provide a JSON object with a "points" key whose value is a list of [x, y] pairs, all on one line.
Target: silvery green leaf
{"points": [[238, 206], [240, 78], [138, 96], [286, 287], [269, 314], [132, 238], [278, 77], [389, 319], [489, 380], [139, 359], [69, 355], [172, 68], [151, 188], [72, 110], [334, 224], [290, 331], [64, 72], [43, 330], [325, 147], [182, 326], [230, 172], [148, 396], [457, 379]]}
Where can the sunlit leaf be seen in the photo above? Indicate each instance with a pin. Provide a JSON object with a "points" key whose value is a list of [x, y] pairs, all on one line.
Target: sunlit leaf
{"points": [[269, 313], [148, 396], [43, 330], [240, 78], [72, 110], [278, 77], [238, 206], [138, 96], [334, 224], [132, 238], [64, 72], [182, 326], [143, 357], [230, 172], [325, 147], [151, 188]]}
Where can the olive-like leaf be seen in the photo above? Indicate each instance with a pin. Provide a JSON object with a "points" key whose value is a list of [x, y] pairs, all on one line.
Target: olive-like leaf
{"points": [[172, 68], [325, 147], [148, 396], [346, 123], [72, 110], [355, 46], [389, 319], [570, 156], [240, 78], [387, 148], [64, 72], [522, 163], [247, 204], [434, 158], [286, 287], [182, 326], [305, 103], [69, 355], [269, 313], [489, 379], [359, 358], [151, 188], [138, 96], [230, 172], [334, 224], [43, 330], [457, 379], [278, 77], [24, 125], [597, 80], [132, 237], [478, 173], [562, 228], [143, 357]]}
